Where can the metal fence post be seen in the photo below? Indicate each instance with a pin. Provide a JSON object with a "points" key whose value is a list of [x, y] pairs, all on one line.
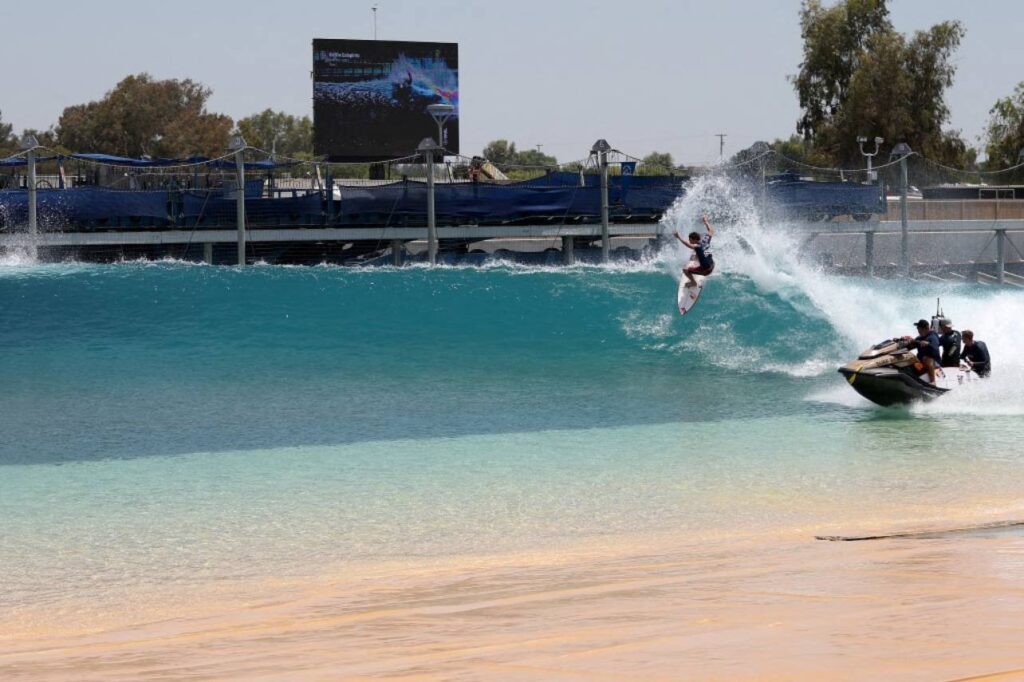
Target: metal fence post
{"points": [[330, 196], [601, 148], [869, 253], [902, 151], [568, 257], [904, 228], [29, 144], [238, 147], [427, 147], [1001, 255]]}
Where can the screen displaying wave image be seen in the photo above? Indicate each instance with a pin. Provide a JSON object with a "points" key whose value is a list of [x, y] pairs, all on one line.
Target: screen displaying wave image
{"points": [[370, 97]]}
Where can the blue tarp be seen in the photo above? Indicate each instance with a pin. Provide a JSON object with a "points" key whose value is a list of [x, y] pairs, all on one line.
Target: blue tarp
{"points": [[555, 197], [124, 160], [196, 208], [22, 161], [262, 164], [825, 199], [85, 205]]}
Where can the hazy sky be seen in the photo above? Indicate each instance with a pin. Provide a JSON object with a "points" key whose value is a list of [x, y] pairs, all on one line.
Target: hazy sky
{"points": [[647, 75]]}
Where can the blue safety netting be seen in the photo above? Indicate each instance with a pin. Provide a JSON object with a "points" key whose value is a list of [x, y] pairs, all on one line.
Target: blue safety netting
{"points": [[824, 199], [93, 208], [556, 197]]}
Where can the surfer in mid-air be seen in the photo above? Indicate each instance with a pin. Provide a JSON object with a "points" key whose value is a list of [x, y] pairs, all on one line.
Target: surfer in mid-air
{"points": [[701, 246]]}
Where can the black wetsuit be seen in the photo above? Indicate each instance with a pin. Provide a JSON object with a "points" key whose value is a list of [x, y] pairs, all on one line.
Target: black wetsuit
{"points": [[950, 343], [977, 355], [705, 257]]}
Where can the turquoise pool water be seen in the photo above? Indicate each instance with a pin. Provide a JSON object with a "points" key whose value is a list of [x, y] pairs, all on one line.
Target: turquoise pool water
{"points": [[172, 424]]}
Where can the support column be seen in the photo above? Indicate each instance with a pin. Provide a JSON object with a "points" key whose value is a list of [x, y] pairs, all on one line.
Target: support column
{"points": [[568, 256], [605, 239], [869, 253], [904, 237], [396, 252], [427, 147], [33, 224], [238, 146], [330, 196], [208, 253], [1001, 256]]}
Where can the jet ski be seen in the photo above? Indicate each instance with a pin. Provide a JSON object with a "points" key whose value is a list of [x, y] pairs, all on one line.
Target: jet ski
{"points": [[889, 373]]}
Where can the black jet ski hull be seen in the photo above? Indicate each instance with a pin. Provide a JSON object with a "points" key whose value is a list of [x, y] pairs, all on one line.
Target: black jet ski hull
{"points": [[888, 387]]}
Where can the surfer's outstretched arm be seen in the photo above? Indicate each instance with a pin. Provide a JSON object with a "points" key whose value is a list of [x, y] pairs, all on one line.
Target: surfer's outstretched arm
{"points": [[683, 241], [707, 224]]}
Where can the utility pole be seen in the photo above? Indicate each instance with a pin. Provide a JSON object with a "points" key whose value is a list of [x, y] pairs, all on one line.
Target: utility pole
{"points": [[902, 151], [427, 148], [869, 155], [29, 144], [601, 149], [721, 145], [238, 146]]}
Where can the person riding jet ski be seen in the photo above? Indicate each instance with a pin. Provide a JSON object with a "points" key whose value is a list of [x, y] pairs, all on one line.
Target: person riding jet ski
{"points": [[927, 344], [889, 373]]}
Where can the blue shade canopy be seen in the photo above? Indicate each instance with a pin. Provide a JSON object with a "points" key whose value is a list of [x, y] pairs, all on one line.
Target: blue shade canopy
{"points": [[124, 160], [22, 161]]}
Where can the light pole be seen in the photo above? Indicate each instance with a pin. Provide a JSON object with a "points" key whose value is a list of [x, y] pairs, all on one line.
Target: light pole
{"points": [[601, 149], [869, 155], [238, 146], [427, 148], [901, 152], [29, 144], [760, 151], [374, 8], [440, 113]]}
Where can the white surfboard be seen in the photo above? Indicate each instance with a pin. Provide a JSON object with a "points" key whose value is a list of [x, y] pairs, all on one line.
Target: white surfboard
{"points": [[688, 294]]}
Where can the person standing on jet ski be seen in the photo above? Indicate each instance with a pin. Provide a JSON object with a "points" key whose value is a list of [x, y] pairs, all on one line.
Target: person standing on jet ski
{"points": [[927, 344], [976, 354], [950, 343]]}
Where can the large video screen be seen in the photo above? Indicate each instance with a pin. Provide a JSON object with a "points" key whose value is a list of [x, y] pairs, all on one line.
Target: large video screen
{"points": [[370, 97]]}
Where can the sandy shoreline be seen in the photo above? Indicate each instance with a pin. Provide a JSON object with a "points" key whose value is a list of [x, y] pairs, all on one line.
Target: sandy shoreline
{"points": [[793, 608]]}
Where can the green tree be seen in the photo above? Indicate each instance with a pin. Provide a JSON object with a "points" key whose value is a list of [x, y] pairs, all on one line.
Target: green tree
{"points": [[860, 77], [834, 41], [143, 116], [279, 132], [500, 152], [504, 153], [898, 92], [659, 162], [795, 149], [1004, 136], [8, 144], [534, 157]]}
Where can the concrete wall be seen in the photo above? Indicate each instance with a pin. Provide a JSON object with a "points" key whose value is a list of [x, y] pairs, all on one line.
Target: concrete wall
{"points": [[931, 209]]}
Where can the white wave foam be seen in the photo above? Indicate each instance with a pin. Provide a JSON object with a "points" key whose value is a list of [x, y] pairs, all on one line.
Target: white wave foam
{"points": [[17, 258], [860, 311]]}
